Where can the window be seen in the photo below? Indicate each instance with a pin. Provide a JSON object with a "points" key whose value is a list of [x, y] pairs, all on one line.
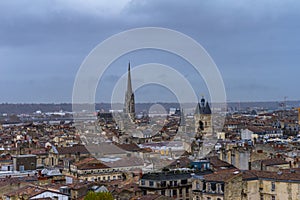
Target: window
{"points": [[197, 186], [273, 197], [208, 198], [142, 182], [273, 186], [151, 183], [208, 187], [213, 187], [184, 181], [219, 188], [261, 197], [174, 192]]}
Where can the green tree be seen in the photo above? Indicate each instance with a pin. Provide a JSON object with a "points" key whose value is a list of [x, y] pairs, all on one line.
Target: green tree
{"points": [[98, 196]]}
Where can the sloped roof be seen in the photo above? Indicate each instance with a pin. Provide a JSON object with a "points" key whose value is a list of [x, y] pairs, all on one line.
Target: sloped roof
{"points": [[172, 175], [276, 176], [274, 161], [72, 150], [222, 176]]}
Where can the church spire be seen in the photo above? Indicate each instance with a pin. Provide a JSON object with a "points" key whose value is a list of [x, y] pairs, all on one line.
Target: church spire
{"points": [[129, 86], [129, 97]]}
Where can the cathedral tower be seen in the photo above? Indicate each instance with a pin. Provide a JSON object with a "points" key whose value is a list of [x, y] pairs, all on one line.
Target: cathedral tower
{"points": [[203, 118]]}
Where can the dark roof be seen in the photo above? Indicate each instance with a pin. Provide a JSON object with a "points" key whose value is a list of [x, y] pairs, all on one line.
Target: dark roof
{"points": [[129, 147], [276, 176], [106, 116], [274, 161], [219, 164], [172, 175], [154, 197], [222, 176], [198, 109], [205, 109], [180, 162], [72, 150], [90, 163]]}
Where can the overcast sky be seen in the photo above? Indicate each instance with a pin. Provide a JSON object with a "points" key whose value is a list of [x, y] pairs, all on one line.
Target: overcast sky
{"points": [[254, 43]]}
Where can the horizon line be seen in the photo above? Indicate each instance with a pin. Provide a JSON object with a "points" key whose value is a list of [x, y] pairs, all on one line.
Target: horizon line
{"points": [[249, 101]]}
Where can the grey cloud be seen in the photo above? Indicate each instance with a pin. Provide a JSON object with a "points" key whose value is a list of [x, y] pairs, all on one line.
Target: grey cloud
{"points": [[47, 38]]}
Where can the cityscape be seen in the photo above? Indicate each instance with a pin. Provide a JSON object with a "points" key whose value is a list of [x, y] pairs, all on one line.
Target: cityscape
{"points": [[120, 101]]}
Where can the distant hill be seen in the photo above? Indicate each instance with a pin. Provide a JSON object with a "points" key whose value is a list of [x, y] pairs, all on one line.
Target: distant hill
{"points": [[31, 108], [44, 107]]}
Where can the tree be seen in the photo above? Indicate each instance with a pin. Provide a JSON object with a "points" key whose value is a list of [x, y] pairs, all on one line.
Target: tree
{"points": [[98, 196]]}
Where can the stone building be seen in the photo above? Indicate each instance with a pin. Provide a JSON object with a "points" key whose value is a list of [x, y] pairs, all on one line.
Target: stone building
{"points": [[174, 184], [221, 185], [271, 185], [271, 164], [58, 154], [24, 162]]}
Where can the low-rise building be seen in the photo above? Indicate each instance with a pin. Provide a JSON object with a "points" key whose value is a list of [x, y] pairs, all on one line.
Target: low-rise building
{"points": [[271, 164], [271, 185], [222, 185], [176, 184], [24, 162]]}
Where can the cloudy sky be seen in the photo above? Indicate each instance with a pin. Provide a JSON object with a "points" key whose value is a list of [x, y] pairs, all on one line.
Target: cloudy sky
{"points": [[254, 43]]}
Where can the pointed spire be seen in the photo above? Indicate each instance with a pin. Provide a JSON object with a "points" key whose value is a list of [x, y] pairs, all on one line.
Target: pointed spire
{"points": [[129, 97], [198, 109], [207, 109], [129, 86]]}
